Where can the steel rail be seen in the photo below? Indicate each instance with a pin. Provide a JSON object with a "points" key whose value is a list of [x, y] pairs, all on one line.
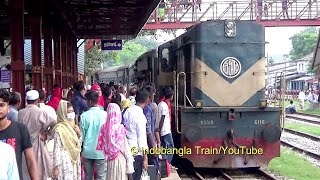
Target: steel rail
{"points": [[308, 153], [302, 134], [302, 119]]}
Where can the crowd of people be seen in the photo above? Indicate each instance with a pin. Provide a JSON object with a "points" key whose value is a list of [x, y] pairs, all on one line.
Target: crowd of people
{"points": [[310, 96], [94, 130]]}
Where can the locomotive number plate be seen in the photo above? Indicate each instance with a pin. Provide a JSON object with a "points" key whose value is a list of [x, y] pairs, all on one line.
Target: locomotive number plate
{"points": [[207, 122], [230, 67], [259, 121]]}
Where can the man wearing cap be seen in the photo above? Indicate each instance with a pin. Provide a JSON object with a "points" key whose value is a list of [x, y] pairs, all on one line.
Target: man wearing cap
{"points": [[38, 122]]}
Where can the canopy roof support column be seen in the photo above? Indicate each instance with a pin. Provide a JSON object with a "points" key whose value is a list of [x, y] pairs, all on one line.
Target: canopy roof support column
{"points": [[16, 12], [63, 59], [68, 61], [2, 50], [57, 56], [74, 60], [72, 41], [76, 64], [36, 52], [48, 69]]}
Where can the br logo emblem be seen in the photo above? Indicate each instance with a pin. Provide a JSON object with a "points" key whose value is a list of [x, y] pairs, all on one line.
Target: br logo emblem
{"points": [[230, 67]]}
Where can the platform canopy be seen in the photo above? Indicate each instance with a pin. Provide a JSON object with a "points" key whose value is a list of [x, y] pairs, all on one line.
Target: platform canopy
{"points": [[316, 56], [86, 18]]}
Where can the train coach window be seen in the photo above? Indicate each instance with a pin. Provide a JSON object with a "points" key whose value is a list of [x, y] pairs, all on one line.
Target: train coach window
{"points": [[165, 61]]}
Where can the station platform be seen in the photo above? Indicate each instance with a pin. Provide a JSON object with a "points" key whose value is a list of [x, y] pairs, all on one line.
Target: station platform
{"points": [[173, 176]]}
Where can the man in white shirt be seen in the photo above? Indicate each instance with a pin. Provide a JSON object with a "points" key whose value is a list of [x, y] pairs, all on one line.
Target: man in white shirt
{"points": [[165, 122], [51, 112], [312, 99], [132, 95], [122, 92], [302, 97], [135, 122], [8, 163]]}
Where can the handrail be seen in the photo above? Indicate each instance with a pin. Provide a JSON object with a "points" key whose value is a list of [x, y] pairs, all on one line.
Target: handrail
{"points": [[185, 87], [177, 97], [176, 101]]}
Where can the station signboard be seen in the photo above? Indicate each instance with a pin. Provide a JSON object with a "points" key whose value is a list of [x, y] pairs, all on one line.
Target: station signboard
{"points": [[5, 76], [111, 44]]}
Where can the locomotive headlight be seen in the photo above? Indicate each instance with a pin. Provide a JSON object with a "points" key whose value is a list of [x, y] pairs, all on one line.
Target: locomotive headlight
{"points": [[199, 104], [230, 28], [263, 103]]}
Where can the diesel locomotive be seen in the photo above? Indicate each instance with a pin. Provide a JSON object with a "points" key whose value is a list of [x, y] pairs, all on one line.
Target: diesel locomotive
{"points": [[217, 70]]}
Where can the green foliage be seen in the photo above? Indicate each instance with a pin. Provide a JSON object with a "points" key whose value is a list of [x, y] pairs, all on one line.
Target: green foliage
{"points": [[271, 61], [290, 164], [314, 130], [93, 60], [155, 33], [310, 29], [311, 70], [131, 50], [146, 42], [303, 43]]}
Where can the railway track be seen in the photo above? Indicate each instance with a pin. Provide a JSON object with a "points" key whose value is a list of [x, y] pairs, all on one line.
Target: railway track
{"points": [[249, 174], [312, 119], [299, 149], [310, 115], [302, 134]]}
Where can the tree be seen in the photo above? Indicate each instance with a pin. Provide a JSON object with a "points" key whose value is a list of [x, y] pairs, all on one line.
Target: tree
{"points": [[303, 43], [271, 61], [310, 69], [129, 53], [93, 60], [156, 32], [146, 42]]}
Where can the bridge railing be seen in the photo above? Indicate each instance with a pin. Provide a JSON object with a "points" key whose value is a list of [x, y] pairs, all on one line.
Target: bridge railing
{"points": [[197, 10]]}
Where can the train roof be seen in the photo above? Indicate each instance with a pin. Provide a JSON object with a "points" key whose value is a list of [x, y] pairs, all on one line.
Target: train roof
{"points": [[117, 68], [114, 68]]}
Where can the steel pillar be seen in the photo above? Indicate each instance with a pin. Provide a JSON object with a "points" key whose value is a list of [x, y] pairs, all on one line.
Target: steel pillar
{"points": [[48, 68], [57, 56], [71, 61], [74, 61], [68, 60], [36, 52], [16, 13], [76, 65], [2, 49], [63, 60]]}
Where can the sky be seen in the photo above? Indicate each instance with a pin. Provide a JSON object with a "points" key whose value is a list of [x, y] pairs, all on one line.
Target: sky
{"points": [[278, 39]]}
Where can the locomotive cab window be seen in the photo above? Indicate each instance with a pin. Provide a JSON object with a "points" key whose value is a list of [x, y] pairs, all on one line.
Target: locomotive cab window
{"points": [[165, 61]]}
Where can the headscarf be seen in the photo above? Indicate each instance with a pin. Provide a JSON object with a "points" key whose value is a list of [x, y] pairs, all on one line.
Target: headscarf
{"points": [[112, 134], [101, 100], [55, 98], [125, 104], [66, 132]]}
